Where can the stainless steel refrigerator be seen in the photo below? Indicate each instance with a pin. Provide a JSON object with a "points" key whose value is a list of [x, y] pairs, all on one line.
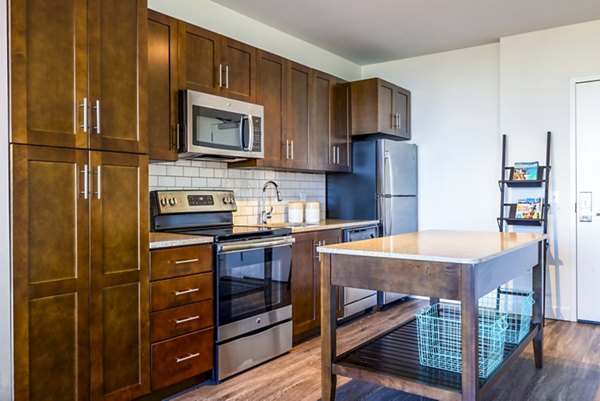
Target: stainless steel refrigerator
{"points": [[382, 186]]}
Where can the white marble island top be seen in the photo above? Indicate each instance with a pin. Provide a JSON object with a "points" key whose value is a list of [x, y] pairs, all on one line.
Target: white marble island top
{"points": [[465, 247]]}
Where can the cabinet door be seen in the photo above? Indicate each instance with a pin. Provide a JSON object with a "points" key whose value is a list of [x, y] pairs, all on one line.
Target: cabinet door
{"points": [[271, 93], [162, 87], [200, 66], [321, 152], [50, 273], [49, 72], [300, 92], [340, 131], [117, 62], [387, 112], [402, 110], [239, 69], [119, 276], [306, 289]]}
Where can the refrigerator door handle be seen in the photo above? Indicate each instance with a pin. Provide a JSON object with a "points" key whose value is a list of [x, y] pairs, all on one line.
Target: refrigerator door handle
{"points": [[387, 179]]}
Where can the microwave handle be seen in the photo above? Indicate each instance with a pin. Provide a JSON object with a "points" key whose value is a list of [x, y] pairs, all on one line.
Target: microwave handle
{"points": [[251, 129], [242, 144]]}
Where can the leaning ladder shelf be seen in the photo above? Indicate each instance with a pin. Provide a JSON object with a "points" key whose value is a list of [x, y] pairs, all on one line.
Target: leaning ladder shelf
{"points": [[508, 219], [508, 209]]}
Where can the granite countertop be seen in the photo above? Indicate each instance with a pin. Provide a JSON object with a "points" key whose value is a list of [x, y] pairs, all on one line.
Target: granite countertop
{"points": [[328, 224], [468, 247], [168, 240]]}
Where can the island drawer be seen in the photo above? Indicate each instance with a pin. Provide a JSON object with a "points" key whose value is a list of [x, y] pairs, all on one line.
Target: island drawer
{"points": [[182, 357], [181, 320], [175, 262], [181, 291]]}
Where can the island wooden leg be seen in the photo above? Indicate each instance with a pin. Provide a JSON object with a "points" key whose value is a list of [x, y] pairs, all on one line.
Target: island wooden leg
{"points": [[538, 278], [328, 326], [469, 335]]}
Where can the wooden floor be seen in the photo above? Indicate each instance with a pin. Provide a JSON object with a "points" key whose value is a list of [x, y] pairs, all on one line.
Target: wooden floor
{"points": [[571, 368]]}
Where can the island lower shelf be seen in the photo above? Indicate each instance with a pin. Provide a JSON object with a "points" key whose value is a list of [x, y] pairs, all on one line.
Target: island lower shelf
{"points": [[392, 360]]}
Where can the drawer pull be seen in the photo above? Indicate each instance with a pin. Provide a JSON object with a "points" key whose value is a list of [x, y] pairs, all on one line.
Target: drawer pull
{"points": [[177, 293], [185, 358], [181, 262], [187, 319]]}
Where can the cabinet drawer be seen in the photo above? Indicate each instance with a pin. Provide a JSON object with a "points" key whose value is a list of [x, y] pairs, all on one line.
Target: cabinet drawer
{"points": [[181, 291], [174, 262], [181, 358], [182, 320]]}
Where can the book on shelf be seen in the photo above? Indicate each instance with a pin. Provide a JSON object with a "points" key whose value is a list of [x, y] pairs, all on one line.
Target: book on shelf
{"points": [[529, 209], [525, 171]]}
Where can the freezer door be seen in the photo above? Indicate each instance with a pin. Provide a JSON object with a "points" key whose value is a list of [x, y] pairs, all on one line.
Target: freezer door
{"points": [[397, 168], [398, 214]]}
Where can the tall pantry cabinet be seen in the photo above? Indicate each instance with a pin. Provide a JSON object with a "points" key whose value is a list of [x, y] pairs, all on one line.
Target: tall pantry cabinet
{"points": [[79, 189]]}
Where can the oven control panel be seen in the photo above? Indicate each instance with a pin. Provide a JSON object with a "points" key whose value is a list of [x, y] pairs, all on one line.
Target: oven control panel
{"points": [[188, 201]]}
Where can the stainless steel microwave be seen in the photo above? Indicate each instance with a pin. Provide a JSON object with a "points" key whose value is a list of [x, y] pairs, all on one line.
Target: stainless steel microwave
{"points": [[214, 127]]}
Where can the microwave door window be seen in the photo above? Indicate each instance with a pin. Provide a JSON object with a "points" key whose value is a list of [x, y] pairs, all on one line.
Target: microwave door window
{"points": [[216, 128]]}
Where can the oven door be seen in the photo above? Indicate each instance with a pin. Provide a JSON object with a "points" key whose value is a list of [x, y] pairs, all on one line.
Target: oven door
{"points": [[253, 277]]}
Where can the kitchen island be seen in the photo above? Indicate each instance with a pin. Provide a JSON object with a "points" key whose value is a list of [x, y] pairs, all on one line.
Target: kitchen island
{"points": [[455, 265]]}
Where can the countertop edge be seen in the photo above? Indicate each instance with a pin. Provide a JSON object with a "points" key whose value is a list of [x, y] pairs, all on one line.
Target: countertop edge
{"points": [[427, 258]]}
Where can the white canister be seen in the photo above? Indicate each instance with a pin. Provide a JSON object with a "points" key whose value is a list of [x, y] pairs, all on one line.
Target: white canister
{"points": [[295, 212], [313, 212]]}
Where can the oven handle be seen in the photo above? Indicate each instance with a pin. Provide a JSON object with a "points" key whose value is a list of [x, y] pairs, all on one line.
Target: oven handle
{"points": [[256, 244]]}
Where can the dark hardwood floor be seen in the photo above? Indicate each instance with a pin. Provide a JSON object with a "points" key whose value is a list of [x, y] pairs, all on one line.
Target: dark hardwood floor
{"points": [[571, 368]]}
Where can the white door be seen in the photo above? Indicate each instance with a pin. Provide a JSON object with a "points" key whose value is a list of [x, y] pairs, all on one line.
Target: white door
{"points": [[587, 123]]}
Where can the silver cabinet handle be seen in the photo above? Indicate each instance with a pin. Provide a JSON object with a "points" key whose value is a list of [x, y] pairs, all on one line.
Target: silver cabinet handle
{"points": [[86, 182], [181, 262], [399, 121], [287, 149], [85, 114], [227, 76], [220, 75], [185, 358], [98, 174], [178, 293], [337, 148], [187, 319], [97, 108], [292, 146]]}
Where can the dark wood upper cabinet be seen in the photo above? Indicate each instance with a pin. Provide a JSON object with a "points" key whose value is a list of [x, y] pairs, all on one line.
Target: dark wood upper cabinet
{"points": [[49, 70], [239, 69], [300, 87], [78, 74], [162, 87], [339, 138], [381, 107], [321, 151], [214, 64]]}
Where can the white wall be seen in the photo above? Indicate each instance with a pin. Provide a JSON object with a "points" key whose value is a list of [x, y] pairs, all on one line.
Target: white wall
{"points": [[535, 73], [5, 287], [455, 125], [222, 20], [464, 100]]}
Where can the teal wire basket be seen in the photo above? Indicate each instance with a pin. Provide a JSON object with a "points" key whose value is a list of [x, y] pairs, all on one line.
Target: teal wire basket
{"points": [[439, 337], [517, 305]]}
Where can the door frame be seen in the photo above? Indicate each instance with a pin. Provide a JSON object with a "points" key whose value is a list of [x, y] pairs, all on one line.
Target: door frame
{"points": [[6, 336], [573, 191]]}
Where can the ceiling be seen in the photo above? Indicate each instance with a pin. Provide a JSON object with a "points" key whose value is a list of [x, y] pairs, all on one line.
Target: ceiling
{"points": [[372, 31]]}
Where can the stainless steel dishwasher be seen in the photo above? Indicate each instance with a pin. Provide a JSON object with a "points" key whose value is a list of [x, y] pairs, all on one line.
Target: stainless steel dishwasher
{"points": [[357, 300]]}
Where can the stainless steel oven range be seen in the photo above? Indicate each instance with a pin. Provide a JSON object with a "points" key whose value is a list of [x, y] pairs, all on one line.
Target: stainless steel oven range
{"points": [[252, 271]]}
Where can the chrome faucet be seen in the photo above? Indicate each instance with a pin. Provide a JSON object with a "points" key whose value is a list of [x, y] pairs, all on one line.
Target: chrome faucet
{"points": [[264, 215]]}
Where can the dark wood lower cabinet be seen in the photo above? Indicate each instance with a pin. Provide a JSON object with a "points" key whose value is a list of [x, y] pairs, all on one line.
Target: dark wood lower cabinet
{"points": [[80, 274], [306, 282]]}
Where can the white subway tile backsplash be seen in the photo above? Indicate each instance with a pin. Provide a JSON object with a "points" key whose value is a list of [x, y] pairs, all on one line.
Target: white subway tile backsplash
{"points": [[246, 183]]}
